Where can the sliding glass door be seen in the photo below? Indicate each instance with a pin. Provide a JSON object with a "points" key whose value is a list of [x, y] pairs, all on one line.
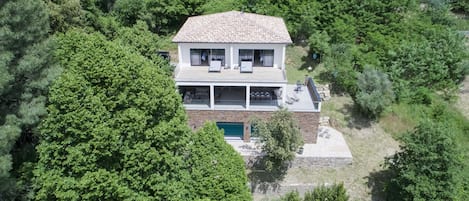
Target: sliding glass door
{"points": [[259, 58], [202, 57]]}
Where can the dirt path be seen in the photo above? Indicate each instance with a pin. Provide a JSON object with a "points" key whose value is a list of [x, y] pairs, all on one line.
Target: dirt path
{"points": [[369, 145], [463, 102]]}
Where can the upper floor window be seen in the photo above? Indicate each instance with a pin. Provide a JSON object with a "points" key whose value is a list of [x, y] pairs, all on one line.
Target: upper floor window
{"points": [[203, 57], [259, 58]]}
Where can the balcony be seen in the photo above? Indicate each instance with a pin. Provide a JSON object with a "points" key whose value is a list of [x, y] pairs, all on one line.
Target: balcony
{"points": [[296, 98], [202, 74]]}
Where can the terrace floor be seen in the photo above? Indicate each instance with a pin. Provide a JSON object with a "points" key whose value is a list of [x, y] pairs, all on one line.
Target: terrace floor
{"points": [[303, 103], [330, 144], [259, 75]]}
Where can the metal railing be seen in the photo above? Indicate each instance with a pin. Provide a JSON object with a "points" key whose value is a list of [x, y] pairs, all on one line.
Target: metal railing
{"points": [[314, 93]]}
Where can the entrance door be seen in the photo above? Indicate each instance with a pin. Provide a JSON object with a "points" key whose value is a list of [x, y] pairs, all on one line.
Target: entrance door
{"points": [[232, 130]]}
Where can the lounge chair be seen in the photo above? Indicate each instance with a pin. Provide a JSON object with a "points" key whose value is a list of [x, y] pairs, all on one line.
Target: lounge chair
{"points": [[215, 66], [246, 67], [293, 97]]}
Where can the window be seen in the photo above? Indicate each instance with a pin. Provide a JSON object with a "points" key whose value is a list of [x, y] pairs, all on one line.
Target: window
{"points": [[260, 58], [202, 57]]}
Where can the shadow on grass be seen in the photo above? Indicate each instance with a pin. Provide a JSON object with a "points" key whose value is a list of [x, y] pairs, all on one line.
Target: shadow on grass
{"points": [[307, 61], [263, 180], [378, 182]]}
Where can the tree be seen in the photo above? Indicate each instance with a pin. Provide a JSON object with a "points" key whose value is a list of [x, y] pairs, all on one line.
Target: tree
{"points": [[375, 92], [428, 164], [279, 138], [216, 169], [142, 41], [162, 16], [116, 127], [27, 67]]}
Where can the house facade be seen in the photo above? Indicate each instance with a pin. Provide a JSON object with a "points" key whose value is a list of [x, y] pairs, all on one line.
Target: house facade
{"points": [[232, 67]]}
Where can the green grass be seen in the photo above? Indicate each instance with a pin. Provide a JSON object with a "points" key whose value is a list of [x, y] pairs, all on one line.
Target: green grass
{"points": [[461, 22], [297, 63]]}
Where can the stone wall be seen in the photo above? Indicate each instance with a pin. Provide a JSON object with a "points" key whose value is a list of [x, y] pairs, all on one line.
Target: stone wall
{"points": [[308, 121]]}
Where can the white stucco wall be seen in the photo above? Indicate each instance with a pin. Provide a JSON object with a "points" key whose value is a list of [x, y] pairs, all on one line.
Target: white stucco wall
{"points": [[231, 58]]}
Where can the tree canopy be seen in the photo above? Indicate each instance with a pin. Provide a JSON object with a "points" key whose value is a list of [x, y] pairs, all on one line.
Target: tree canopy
{"points": [[428, 164], [280, 139], [27, 67], [114, 130]]}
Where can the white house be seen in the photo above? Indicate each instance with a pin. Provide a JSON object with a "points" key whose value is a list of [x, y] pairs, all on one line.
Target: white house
{"points": [[232, 66]]}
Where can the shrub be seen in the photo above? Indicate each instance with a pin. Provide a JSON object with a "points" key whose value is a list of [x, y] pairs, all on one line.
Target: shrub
{"points": [[375, 92], [291, 196], [335, 192]]}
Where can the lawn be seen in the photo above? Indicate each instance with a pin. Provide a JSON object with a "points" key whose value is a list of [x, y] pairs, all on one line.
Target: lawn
{"points": [[297, 62]]}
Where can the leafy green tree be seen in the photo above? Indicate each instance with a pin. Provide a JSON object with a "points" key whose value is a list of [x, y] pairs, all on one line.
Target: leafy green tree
{"points": [[428, 164], [335, 192], [375, 92], [143, 42], [162, 16], [280, 139], [27, 67], [216, 169], [116, 128], [319, 42]]}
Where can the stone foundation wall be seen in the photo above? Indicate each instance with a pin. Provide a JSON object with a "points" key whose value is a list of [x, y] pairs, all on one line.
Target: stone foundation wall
{"points": [[308, 121], [308, 162]]}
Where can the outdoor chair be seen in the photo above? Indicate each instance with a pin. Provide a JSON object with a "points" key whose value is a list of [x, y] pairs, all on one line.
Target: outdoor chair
{"points": [[246, 67], [215, 66]]}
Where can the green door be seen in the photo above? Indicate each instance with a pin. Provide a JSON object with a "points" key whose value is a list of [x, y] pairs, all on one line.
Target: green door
{"points": [[232, 130]]}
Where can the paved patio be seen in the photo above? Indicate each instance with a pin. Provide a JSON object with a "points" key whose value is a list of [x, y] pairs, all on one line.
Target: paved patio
{"points": [[330, 145]]}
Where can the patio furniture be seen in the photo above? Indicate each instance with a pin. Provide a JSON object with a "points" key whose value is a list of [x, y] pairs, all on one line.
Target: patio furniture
{"points": [[293, 97], [215, 66], [246, 67]]}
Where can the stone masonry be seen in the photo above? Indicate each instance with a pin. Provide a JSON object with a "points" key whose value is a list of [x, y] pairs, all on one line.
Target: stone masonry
{"points": [[308, 121]]}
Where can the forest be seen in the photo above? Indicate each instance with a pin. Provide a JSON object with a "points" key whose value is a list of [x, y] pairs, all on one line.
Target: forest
{"points": [[89, 111]]}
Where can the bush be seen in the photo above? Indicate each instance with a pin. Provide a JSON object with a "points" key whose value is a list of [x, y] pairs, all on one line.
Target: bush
{"points": [[291, 196], [335, 192], [375, 92]]}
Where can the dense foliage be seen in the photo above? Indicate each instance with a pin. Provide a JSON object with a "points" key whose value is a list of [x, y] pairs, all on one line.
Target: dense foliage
{"points": [[280, 139], [114, 130], [428, 164], [374, 92], [26, 70], [216, 169], [334, 192]]}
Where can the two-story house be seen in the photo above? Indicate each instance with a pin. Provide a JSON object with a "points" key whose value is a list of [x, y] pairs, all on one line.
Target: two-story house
{"points": [[232, 67]]}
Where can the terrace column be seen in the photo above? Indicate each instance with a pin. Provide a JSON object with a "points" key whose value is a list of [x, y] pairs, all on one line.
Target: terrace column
{"points": [[248, 92], [283, 57], [284, 94], [212, 97]]}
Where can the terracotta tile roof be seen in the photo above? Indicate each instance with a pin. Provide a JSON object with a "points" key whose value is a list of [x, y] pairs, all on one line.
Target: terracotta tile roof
{"points": [[233, 27]]}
